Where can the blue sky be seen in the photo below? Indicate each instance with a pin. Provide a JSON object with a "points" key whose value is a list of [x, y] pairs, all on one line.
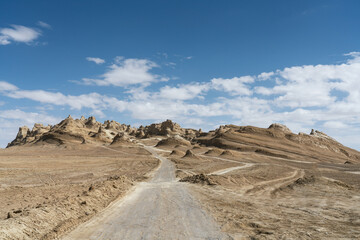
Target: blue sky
{"points": [[199, 63]]}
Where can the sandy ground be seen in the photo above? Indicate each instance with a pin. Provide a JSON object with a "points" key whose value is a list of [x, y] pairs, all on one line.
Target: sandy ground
{"points": [[46, 191], [104, 192], [274, 198], [159, 209]]}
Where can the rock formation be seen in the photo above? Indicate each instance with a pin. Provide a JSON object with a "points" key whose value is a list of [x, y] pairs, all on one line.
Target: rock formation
{"points": [[173, 141], [276, 140], [87, 131], [280, 127], [120, 138], [21, 136], [189, 154]]}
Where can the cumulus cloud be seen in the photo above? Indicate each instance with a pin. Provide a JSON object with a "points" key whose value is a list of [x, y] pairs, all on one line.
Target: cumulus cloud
{"points": [[263, 91], [95, 60], [265, 75], [355, 57], [312, 85], [326, 97], [303, 97], [18, 33], [234, 86], [126, 72], [184, 91], [335, 124]]}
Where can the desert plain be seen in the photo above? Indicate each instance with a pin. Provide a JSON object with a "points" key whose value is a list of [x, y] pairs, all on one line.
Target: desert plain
{"points": [[82, 179]]}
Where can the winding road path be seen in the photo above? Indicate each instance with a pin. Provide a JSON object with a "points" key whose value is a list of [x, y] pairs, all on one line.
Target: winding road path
{"points": [[227, 170], [159, 209]]}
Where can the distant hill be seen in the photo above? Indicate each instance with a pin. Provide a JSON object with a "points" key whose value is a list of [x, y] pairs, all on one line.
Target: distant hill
{"points": [[275, 141]]}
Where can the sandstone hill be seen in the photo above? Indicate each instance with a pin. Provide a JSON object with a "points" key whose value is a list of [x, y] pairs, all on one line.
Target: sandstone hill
{"points": [[276, 141], [90, 131]]}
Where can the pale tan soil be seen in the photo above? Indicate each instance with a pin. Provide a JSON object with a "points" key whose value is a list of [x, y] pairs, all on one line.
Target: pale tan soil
{"points": [[161, 208], [49, 190], [256, 183], [276, 198]]}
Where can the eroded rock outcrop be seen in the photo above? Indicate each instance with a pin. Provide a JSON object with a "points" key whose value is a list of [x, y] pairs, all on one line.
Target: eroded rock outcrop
{"points": [[21, 136], [120, 138], [277, 140], [90, 131], [163, 129], [280, 127], [173, 141], [190, 154]]}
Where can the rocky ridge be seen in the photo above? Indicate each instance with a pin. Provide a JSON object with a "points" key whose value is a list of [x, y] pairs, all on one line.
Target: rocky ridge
{"points": [[277, 140], [87, 131]]}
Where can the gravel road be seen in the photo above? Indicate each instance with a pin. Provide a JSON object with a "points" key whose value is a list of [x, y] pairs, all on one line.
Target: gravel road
{"points": [[159, 209]]}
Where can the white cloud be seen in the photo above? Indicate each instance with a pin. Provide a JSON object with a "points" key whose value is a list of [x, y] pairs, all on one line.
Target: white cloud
{"points": [[115, 104], [28, 117], [126, 72], [234, 86], [94, 101], [95, 60], [44, 24], [98, 113], [4, 40], [170, 64], [264, 91], [325, 97], [184, 91], [312, 86], [355, 57], [91, 100], [5, 86], [18, 33], [11, 120], [265, 75], [335, 124]]}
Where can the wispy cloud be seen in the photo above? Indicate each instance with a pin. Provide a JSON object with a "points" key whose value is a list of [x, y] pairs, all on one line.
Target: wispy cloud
{"points": [[5, 86], [18, 33], [91, 100], [27, 117], [95, 60], [44, 25]]}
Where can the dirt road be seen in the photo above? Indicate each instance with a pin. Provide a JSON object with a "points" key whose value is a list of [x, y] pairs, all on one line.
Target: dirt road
{"points": [[159, 209], [227, 170]]}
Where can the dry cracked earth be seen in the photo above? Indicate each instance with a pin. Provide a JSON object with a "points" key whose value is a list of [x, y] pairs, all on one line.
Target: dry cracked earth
{"points": [[81, 179]]}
